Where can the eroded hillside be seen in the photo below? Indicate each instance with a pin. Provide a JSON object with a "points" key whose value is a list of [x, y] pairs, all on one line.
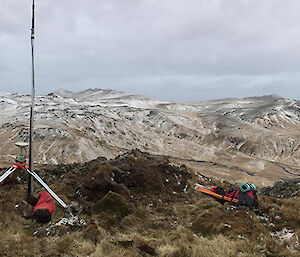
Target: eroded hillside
{"points": [[257, 135]]}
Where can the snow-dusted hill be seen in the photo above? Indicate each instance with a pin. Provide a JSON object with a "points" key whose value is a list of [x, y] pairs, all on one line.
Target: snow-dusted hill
{"points": [[77, 127]]}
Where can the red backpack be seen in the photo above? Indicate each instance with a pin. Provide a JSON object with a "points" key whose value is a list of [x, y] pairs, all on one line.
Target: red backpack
{"points": [[248, 198], [44, 208]]}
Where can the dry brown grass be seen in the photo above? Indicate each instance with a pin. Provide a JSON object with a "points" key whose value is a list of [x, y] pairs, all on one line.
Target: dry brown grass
{"points": [[283, 212], [187, 225], [139, 234]]}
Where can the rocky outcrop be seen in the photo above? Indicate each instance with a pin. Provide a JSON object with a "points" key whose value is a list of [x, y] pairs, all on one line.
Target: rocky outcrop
{"points": [[283, 189]]}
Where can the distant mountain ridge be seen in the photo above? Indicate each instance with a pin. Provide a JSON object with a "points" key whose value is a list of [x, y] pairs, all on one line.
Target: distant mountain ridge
{"points": [[97, 94], [78, 127]]}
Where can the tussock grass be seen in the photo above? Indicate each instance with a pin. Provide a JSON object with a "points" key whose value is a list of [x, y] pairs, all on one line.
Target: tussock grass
{"points": [[139, 234], [283, 212], [187, 244], [161, 224], [106, 248]]}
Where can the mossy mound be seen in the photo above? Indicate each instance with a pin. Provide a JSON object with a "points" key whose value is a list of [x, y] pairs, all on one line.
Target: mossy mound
{"points": [[135, 176], [112, 204]]}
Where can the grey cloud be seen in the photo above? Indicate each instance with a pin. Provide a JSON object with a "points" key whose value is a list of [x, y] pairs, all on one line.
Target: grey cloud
{"points": [[170, 49]]}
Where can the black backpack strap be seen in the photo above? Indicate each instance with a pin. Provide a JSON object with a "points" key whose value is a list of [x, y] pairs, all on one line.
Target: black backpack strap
{"points": [[255, 203]]}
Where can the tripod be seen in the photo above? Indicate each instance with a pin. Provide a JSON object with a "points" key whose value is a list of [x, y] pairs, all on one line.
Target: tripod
{"points": [[20, 164]]}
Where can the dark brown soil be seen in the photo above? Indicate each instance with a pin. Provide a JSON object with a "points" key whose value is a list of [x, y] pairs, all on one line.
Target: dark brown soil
{"points": [[137, 177]]}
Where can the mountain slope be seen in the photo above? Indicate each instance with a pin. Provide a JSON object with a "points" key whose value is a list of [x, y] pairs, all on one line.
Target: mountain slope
{"points": [[251, 133]]}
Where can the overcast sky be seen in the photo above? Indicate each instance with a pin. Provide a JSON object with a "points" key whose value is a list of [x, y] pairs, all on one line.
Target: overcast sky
{"points": [[180, 50]]}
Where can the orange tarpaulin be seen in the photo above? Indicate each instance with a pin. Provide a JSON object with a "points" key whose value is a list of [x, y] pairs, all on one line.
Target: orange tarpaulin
{"points": [[206, 191]]}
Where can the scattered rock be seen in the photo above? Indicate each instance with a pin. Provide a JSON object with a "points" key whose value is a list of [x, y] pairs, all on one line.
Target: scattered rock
{"points": [[284, 234], [61, 227], [287, 188], [204, 178], [76, 208]]}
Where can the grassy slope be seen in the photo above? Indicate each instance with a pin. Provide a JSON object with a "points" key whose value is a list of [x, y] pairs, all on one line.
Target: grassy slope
{"points": [[157, 223]]}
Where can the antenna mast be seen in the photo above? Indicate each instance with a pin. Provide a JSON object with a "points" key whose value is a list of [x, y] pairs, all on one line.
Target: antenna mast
{"points": [[20, 162], [31, 133]]}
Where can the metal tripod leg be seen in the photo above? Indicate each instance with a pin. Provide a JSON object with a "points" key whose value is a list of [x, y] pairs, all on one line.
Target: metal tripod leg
{"points": [[55, 196], [7, 173]]}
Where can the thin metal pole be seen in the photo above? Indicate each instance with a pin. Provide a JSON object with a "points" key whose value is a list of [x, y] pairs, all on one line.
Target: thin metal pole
{"points": [[31, 133], [7, 173], [55, 196]]}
